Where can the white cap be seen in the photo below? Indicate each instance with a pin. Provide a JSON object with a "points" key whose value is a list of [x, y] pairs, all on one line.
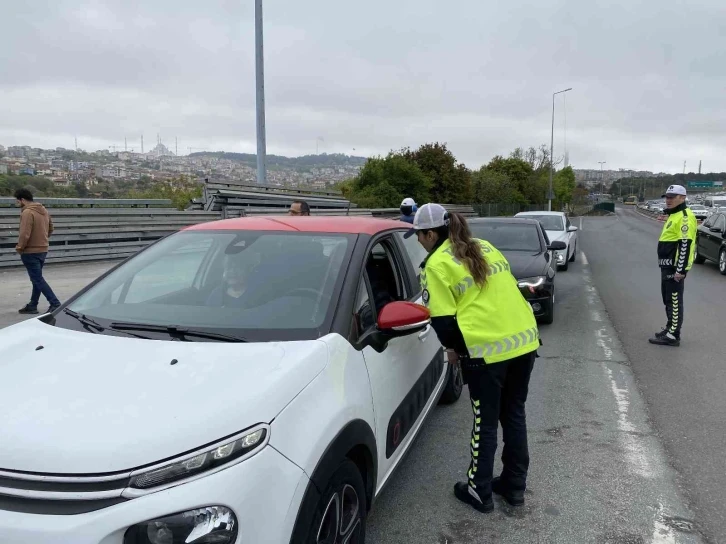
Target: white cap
{"points": [[428, 216], [675, 190], [408, 202]]}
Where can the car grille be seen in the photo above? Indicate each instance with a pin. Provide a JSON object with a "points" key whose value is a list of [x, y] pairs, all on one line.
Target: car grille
{"points": [[60, 495]]}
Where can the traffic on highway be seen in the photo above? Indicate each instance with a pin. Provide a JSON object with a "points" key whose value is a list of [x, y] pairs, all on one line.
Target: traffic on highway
{"points": [[287, 380]]}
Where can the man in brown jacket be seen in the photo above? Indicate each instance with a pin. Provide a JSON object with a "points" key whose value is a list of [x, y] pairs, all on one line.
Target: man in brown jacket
{"points": [[35, 228]]}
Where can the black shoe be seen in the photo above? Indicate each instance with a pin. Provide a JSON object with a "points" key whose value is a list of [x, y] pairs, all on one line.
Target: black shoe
{"points": [[661, 334], [515, 497], [53, 308], [461, 491], [28, 309], [665, 341]]}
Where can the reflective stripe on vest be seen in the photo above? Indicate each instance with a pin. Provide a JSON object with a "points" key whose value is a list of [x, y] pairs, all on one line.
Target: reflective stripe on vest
{"points": [[504, 346]]}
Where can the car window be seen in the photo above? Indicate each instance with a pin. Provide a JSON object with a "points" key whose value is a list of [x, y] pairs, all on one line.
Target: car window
{"points": [[720, 222], [365, 318], [241, 280], [508, 236], [385, 278], [709, 222], [415, 251], [549, 222], [177, 271]]}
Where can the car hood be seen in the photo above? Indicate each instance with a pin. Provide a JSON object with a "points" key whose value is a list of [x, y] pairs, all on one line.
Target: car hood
{"points": [[88, 403], [526, 265], [557, 235]]}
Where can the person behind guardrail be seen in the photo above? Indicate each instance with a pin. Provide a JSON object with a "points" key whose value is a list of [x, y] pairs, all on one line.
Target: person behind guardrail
{"points": [[676, 253], [408, 210], [299, 207], [36, 227], [482, 319]]}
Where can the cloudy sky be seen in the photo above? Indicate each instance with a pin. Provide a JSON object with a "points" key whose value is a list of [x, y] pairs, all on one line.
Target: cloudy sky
{"points": [[648, 77]]}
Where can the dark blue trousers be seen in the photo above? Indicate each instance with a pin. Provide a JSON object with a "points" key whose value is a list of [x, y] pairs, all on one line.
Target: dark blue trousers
{"points": [[34, 265]]}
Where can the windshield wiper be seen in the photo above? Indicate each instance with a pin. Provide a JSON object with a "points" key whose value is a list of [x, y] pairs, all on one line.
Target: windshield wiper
{"points": [[176, 332], [87, 321]]}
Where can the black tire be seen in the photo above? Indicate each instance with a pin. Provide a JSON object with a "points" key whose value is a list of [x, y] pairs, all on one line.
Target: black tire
{"points": [[454, 385], [574, 252], [549, 317], [722, 261], [337, 521], [698, 258], [566, 265]]}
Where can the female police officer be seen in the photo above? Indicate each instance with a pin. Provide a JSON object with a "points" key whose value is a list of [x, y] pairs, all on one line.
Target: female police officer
{"points": [[485, 323]]}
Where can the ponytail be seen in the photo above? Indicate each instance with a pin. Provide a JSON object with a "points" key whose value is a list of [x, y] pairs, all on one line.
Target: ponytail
{"points": [[466, 249]]}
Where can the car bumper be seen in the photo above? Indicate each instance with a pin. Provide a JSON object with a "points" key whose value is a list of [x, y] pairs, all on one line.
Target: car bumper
{"points": [[540, 300], [264, 492]]}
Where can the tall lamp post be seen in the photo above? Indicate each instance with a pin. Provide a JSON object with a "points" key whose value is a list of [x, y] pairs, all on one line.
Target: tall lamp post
{"points": [[602, 179], [260, 80], [550, 195]]}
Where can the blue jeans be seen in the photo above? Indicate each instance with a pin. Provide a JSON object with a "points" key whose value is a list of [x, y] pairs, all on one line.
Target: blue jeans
{"points": [[34, 265]]}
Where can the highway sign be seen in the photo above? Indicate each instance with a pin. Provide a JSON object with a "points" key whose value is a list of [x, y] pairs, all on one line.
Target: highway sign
{"points": [[705, 184]]}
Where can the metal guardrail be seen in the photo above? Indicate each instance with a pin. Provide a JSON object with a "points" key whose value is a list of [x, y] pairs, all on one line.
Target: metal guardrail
{"points": [[50, 202]]}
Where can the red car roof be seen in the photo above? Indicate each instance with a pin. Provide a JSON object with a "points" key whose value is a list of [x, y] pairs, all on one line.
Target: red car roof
{"points": [[334, 224]]}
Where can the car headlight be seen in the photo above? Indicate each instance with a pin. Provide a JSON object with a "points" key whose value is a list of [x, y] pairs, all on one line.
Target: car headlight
{"points": [[531, 283], [209, 459], [209, 525]]}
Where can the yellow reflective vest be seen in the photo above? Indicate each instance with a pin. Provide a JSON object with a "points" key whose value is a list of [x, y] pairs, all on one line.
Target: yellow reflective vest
{"points": [[496, 321]]}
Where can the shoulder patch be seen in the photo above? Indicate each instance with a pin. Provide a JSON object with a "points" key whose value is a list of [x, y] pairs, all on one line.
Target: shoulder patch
{"points": [[425, 296]]}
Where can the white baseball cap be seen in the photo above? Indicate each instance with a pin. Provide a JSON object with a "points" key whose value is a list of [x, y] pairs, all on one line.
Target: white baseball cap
{"points": [[428, 216], [408, 202], [675, 190]]}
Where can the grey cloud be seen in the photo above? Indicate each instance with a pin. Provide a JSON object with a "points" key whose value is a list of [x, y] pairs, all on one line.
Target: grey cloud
{"points": [[648, 87]]}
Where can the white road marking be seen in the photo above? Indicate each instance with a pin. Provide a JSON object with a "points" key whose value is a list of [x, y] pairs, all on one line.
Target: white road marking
{"points": [[580, 223], [583, 258]]}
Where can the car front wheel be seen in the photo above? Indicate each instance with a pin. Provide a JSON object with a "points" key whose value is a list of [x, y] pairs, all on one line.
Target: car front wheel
{"points": [[340, 515], [549, 317], [722, 261], [454, 385], [574, 252]]}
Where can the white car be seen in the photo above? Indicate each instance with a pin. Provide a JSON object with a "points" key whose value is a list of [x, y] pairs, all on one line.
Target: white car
{"points": [[559, 229], [251, 380], [700, 211]]}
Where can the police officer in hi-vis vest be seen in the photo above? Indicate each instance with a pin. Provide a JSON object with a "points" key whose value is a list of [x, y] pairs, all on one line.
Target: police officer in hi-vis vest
{"points": [[676, 252], [487, 326]]}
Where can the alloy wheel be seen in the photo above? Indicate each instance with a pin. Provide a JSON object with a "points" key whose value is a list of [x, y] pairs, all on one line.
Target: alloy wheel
{"points": [[341, 523], [722, 261]]}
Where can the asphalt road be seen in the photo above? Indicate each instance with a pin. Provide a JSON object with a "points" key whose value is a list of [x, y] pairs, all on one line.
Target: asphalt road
{"points": [[599, 473], [684, 387]]}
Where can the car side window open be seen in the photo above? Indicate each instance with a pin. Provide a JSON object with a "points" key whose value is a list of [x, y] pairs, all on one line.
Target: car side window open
{"points": [[415, 251], [386, 283]]}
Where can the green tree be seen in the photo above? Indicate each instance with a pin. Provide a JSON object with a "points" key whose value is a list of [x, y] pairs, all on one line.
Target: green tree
{"points": [[564, 185], [490, 186], [451, 181], [384, 182]]}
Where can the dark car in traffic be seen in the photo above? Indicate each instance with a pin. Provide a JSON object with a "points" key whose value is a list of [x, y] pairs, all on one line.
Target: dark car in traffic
{"points": [[711, 241], [525, 245]]}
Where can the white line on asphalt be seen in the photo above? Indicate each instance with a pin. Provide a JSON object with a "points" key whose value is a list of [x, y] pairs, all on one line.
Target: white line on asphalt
{"points": [[580, 223], [583, 258]]}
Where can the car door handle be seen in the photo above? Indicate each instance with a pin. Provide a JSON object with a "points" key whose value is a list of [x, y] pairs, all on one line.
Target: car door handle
{"points": [[424, 333]]}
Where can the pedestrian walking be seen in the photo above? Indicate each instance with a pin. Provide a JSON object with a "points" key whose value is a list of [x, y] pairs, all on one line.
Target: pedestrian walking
{"points": [[36, 226], [487, 326], [676, 251]]}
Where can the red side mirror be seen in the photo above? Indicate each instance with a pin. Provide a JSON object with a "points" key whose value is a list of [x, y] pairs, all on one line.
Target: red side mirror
{"points": [[403, 316]]}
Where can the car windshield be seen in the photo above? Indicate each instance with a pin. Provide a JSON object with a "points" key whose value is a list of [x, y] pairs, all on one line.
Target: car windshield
{"points": [[508, 236], [697, 207], [549, 222], [231, 281]]}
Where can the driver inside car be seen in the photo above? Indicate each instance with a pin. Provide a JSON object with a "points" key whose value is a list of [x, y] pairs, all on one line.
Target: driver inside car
{"points": [[235, 279]]}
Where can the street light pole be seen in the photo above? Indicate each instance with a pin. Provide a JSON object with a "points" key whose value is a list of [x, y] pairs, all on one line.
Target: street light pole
{"points": [[260, 80], [552, 145], [602, 179]]}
